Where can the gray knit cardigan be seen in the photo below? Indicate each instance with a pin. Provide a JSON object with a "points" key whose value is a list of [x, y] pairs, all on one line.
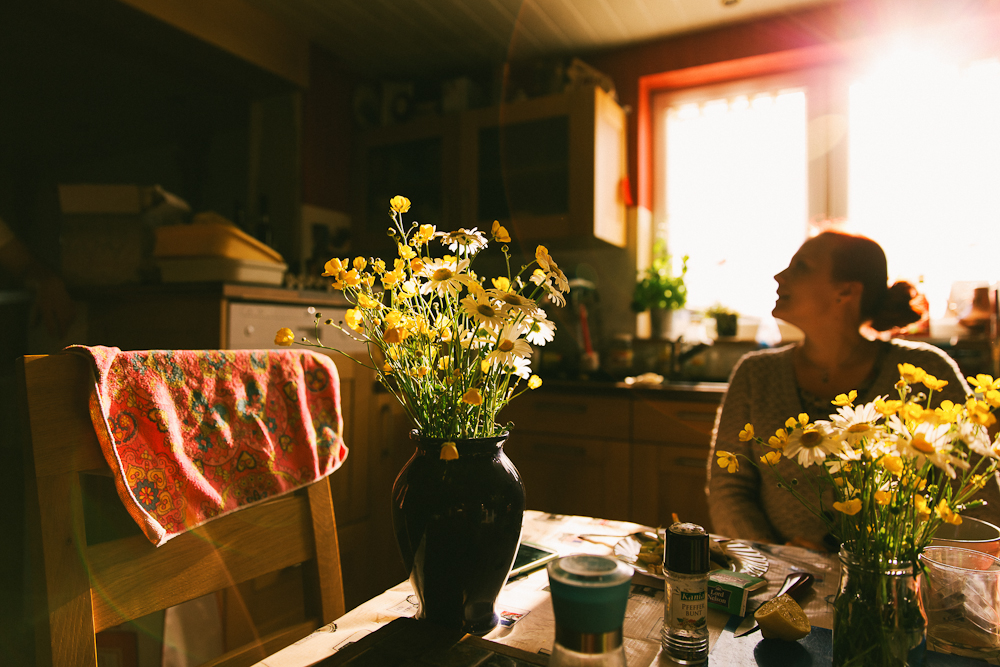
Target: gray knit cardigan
{"points": [[763, 391]]}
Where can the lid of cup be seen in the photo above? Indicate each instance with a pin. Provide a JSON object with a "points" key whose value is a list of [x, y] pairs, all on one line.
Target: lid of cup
{"points": [[585, 570], [686, 549]]}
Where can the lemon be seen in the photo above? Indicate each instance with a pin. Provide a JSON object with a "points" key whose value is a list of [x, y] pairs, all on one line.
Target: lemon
{"points": [[782, 618]]}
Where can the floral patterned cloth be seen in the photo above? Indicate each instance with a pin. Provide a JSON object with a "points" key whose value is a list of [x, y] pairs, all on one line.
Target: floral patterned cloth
{"points": [[194, 435]]}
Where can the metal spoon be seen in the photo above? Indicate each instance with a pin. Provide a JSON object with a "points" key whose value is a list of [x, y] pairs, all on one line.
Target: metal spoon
{"points": [[796, 582]]}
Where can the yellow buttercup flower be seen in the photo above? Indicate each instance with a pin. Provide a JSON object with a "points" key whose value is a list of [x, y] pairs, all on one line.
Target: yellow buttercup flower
{"points": [[354, 319], [893, 464], [791, 422], [386, 368], [424, 234], [499, 232], [391, 278], [849, 507], [911, 374], [933, 383], [406, 252], [983, 383], [350, 278], [747, 433], [534, 382], [948, 412], [911, 412], [395, 336], [284, 337], [544, 259], [501, 283], [946, 514], [472, 397], [887, 408], [920, 503], [359, 263], [399, 204], [334, 267], [728, 461], [366, 301], [883, 497], [408, 289], [845, 399], [449, 451], [771, 458]]}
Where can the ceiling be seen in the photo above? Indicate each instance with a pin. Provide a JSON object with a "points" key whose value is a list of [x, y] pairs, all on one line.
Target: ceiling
{"points": [[383, 38]]}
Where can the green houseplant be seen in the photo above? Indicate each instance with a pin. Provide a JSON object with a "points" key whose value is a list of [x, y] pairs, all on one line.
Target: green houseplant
{"points": [[726, 319], [659, 291]]}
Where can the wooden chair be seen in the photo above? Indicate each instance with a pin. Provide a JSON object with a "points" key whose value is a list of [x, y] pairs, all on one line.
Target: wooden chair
{"points": [[82, 587]]}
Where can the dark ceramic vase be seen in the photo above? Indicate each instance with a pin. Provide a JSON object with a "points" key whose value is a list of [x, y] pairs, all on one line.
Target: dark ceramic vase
{"points": [[458, 525]]}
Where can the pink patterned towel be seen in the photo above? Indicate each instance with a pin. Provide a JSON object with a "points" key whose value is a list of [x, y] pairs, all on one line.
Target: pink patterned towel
{"points": [[193, 435]]}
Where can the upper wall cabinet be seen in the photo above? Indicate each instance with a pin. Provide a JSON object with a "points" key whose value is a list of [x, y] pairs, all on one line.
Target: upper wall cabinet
{"points": [[549, 168], [418, 160]]}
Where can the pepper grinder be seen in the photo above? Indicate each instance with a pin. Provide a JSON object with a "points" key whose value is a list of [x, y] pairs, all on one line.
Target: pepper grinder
{"points": [[684, 636], [589, 596]]}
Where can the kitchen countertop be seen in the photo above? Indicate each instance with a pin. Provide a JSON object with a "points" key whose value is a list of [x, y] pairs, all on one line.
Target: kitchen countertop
{"points": [[700, 392]]}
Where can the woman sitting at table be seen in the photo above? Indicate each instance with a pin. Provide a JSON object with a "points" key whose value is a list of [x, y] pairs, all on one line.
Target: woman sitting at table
{"points": [[834, 287]]}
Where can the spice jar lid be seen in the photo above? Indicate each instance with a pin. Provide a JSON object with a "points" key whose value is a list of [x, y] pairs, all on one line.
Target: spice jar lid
{"points": [[686, 549]]}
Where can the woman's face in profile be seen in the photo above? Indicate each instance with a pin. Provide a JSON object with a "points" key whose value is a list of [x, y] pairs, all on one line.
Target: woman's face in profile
{"points": [[806, 290]]}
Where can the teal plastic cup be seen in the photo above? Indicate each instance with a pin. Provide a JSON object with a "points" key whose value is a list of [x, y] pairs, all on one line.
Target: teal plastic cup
{"points": [[589, 596]]}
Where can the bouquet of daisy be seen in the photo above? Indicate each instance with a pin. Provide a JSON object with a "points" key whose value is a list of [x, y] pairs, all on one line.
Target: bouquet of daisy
{"points": [[897, 468], [452, 349]]}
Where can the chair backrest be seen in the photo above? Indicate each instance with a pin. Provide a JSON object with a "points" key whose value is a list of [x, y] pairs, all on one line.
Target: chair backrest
{"points": [[83, 585]]}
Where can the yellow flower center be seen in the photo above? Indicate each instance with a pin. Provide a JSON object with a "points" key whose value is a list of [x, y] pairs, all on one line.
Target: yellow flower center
{"points": [[443, 274], [486, 310], [506, 346], [921, 445], [858, 428], [811, 439], [511, 299]]}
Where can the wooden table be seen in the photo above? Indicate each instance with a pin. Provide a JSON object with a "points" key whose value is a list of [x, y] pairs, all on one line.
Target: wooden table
{"points": [[526, 603]]}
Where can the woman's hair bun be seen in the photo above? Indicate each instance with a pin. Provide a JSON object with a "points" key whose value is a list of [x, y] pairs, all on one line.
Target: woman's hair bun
{"points": [[896, 309]]}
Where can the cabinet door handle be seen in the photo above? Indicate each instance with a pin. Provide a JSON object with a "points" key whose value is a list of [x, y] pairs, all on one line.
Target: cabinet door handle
{"points": [[563, 451], [690, 462], [692, 416]]}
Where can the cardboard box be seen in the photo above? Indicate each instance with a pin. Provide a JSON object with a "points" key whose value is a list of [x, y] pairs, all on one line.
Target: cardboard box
{"points": [[729, 591]]}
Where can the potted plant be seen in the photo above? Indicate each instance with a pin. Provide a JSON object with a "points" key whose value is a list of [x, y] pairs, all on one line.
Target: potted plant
{"points": [[660, 292], [725, 318]]}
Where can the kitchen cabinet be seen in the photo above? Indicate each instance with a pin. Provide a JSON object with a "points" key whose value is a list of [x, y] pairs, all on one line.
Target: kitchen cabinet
{"points": [[549, 168], [622, 454], [670, 447], [572, 452], [418, 160]]}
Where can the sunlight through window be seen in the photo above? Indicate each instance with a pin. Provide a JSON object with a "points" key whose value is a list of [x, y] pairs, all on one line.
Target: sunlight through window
{"points": [[736, 195], [924, 167]]}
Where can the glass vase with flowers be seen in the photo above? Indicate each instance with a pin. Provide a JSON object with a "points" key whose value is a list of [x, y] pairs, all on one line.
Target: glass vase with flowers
{"points": [[454, 350], [898, 469]]}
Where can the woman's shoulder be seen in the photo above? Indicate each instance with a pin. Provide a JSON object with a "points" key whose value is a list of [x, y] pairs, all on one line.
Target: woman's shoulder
{"points": [[760, 361]]}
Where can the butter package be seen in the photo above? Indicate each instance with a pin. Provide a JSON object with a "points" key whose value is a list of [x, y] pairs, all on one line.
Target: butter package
{"points": [[729, 591]]}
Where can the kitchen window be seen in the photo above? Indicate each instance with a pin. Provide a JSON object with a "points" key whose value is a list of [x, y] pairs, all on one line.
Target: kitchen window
{"points": [[906, 152]]}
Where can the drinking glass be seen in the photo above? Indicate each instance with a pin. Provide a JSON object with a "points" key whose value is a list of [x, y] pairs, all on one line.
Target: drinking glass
{"points": [[974, 534], [961, 595]]}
